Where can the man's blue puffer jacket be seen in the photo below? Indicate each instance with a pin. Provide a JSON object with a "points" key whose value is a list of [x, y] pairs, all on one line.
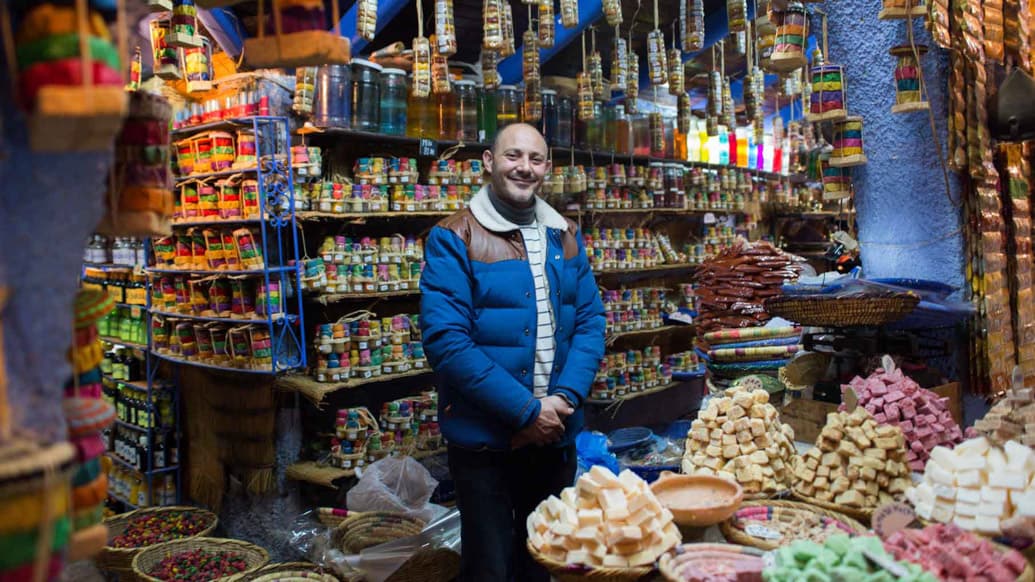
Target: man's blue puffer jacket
{"points": [[478, 321]]}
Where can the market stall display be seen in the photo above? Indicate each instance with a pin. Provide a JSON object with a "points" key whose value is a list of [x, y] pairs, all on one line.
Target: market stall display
{"points": [[739, 437], [198, 559], [142, 528], [894, 398], [1011, 418], [856, 465], [977, 485], [772, 523], [604, 521]]}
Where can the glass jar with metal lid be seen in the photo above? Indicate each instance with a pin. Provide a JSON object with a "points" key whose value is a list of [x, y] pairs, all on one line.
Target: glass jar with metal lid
{"points": [[366, 95], [549, 123], [466, 111], [508, 106]]}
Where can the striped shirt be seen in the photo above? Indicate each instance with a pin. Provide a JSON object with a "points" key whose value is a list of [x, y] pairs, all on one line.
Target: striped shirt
{"points": [[534, 236]]}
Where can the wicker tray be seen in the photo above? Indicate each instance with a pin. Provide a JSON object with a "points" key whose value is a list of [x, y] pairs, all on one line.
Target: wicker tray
{"points": [[668, 568], [289, 572], [784, 511], [576, 573], [332, 516], [828, 311], [254, 556], [363, 530], [120, 560], [863, 516]]}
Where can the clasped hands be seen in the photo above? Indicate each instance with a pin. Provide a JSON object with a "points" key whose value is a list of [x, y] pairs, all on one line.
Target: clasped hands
{"points": [[548, 427]]}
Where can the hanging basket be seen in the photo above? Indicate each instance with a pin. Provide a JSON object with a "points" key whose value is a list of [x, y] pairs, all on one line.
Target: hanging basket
{"points": [[309, 48], [147, 560], [822, 311], [120, 560]]}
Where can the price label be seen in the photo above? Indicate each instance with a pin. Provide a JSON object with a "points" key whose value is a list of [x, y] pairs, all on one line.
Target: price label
{"points": [[427, 148], [756, 530]]}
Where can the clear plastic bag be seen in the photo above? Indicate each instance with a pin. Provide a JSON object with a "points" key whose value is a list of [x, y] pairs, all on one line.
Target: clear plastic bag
{"points": [[379, 562], [397, 484]]}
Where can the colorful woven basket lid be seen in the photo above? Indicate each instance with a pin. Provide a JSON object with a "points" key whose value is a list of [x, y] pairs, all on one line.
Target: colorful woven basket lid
{"points": [[87, 416], [90, 306], [24, 464]]}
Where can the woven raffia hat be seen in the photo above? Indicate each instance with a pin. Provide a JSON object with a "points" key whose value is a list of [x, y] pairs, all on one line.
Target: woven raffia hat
{"points": [[24, 465], [90, 306], [87, 415]]}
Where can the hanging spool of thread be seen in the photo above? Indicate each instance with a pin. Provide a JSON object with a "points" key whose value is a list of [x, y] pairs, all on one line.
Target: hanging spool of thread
{"points": [[613, 12], [792, 33], [909, 91], [490, 71], [569, 13], [848, 143], [492, 23], [632, 80], [827, 100], [837, 182], [508, 31], [900, 9], [619, 63], [676, 84], [693, 37], [421, 86], [546, 24], [736, 15]]}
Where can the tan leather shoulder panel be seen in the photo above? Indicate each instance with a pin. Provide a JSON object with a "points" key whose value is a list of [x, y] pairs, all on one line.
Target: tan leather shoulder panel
{"points": [[569, 239], [484, 245]]}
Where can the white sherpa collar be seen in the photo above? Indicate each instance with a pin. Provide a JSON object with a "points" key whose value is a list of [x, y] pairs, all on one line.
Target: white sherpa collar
{"points": [[486, 215]]}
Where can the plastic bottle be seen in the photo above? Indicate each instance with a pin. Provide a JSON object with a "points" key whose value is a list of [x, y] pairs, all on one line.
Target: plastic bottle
{"points": [[722, 147]]}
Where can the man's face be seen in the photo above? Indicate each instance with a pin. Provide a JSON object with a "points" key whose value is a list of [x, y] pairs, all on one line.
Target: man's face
{"points": [[517, 164]]}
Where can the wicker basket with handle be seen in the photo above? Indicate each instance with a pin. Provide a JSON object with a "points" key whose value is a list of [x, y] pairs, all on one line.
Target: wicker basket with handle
{"points": [[145, 562], [120, 560]]}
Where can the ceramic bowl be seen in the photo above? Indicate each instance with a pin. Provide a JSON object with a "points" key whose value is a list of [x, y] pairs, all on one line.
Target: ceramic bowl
{"points": [[698, 500]]}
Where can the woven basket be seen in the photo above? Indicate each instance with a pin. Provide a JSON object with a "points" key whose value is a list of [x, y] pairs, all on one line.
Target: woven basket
{"points": [[431, 565], [577, 573], [120, 560], [825, 311], [782, 511], [328, 516], [290, 572], [254, 556], [668, 568], [863, 516], [363, 530], [804, 371]]}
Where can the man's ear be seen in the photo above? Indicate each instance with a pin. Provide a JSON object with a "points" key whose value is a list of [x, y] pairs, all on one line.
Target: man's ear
{"points": [[486, 158]]}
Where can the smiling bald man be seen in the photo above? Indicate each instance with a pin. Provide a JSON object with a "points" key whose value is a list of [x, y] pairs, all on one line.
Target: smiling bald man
{"points": [[513, 325]]}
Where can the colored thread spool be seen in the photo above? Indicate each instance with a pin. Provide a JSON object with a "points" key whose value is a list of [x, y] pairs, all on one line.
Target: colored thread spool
{"points": [[792, 31], [827, 101], [909, 94], [896, 9], [848, 143]]}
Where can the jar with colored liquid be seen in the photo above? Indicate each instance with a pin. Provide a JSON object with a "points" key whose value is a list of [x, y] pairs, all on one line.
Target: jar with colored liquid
{"points": [[622, 131], [421, 117], [641, 135], [466, 111], [508, 106], [445, 115], [333, 103], [487, 115], [549, 123], [565, 119], [393, 102], [366, 95]]}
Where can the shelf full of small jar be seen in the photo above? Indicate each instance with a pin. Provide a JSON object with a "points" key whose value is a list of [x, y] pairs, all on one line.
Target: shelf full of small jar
{"points": [[364, 267], [135, 489], [368, 348], [233, 300], [626, 374], [242, 346]]}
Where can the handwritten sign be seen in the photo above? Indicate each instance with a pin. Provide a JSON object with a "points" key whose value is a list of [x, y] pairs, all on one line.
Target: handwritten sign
{"points": [[892, 517], [427, 148], [756, 530]]}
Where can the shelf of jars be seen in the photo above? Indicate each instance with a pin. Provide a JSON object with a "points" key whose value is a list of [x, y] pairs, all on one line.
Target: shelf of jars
{"points": [[356, 268], [122, 342], [405, 427], [635, 373]]}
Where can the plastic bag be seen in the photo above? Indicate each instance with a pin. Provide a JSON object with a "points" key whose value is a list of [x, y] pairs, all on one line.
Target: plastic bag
{"points": [[379, 562], [591, 447], [397, 484]]}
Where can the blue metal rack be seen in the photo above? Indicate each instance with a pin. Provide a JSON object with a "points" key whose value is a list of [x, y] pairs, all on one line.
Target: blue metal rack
{"points": [[278, 237]]}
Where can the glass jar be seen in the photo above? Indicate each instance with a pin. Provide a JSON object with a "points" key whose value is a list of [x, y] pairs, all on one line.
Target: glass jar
{"points": [[332, 106], [393, 102], [607, 127], [595, 130], [548, 123], [641, 135], [565, 117], [466, 111], [421, 116], [366, 95], [623, 131], [445, 115], [486, 115], [508, 106]]}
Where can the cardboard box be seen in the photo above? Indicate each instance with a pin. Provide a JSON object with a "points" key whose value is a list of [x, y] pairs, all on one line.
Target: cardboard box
{"points": [[806, 417]]}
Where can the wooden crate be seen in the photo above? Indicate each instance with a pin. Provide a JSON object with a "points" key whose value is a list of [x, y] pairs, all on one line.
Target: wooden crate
{"points": [[952, 392], [806, 417]]}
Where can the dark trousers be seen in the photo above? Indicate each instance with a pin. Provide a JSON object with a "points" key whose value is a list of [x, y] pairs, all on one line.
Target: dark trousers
{"points": [[495, 492]]}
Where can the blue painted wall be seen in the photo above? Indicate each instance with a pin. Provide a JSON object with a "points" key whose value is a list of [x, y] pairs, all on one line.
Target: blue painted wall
{"points": [[907, 225]]}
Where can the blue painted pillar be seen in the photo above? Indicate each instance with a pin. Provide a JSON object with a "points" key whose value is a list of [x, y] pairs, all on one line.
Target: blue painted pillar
{"points": [[386, 11], [590, 11], [907, 225]]}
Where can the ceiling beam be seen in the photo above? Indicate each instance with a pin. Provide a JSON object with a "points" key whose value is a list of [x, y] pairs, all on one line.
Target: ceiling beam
{"points": [[386, 11], [224, 28], [590, 11]]}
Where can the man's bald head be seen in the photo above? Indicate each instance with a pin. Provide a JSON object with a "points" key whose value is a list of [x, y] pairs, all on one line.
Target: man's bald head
{"points": [[523, 128]]}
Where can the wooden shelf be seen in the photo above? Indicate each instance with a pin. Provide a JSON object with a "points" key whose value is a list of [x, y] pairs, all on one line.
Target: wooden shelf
{"points": [[117, 341], [328, 298], [639, 332], [317, 391], [685, 211], [313, 215], [326, 475], [654, 269], [633, 395]]}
